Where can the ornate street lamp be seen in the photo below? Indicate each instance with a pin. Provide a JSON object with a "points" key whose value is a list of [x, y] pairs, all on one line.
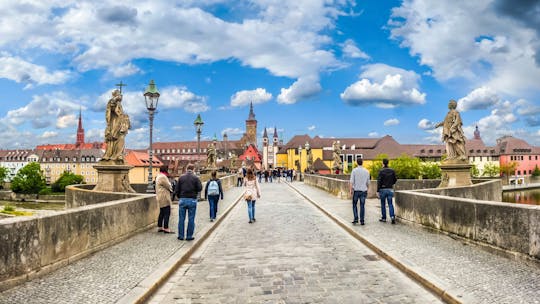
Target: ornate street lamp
{"points": [[307, 156], [151, 97], [198, 126], [300, 163]]}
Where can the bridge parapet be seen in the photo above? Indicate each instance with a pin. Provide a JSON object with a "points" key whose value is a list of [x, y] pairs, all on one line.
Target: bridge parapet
{"points": [[512, 227]]}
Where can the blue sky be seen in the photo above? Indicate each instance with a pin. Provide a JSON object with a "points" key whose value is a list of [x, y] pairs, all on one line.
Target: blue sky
{"points": [[330, 68]]}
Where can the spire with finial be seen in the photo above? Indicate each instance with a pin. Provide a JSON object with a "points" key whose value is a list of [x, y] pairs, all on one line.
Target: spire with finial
{"points": [[265, 135], [476, 133], [251, 113], [80, 131], [275, 132]]}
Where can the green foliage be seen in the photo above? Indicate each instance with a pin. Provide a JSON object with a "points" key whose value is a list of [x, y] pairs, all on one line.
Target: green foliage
{"points": [[431, 170], [474, 171], [491, 170], [29, 179], [536, 171], [45, 191], [407, 167], [8, 208], [66, 179], [376, 165], [3, 173]]}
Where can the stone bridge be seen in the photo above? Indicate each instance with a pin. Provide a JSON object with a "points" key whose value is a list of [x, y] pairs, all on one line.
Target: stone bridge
{"points": [[303, 249]]}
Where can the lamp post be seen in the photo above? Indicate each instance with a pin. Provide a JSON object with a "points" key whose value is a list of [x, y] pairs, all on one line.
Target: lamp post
{"points": [[300, 163], [198, 126], [151, 97], [307, 156]]}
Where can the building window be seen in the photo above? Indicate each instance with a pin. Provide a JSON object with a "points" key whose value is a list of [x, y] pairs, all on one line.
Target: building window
{"points": [[519, 172]]}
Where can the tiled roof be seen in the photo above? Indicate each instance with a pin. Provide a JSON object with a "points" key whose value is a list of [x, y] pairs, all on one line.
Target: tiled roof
{"points": [[512, 145], [141, 159], [320, 165]]}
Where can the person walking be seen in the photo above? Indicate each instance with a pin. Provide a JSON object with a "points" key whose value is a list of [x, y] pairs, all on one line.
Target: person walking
{"points": [[359, 185], [240, 177], [187, 189], [212, 192], [251, 193], [385, 190], [163, 196]]}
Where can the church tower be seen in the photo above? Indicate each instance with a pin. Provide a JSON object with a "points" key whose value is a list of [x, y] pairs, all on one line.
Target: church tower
{"points": [[251, 127], [477, 133], [80, 132], [265, 149], [275, 147]]}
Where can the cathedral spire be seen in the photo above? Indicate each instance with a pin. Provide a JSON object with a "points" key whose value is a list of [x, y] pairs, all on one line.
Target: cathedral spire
{"points": [[80, 131], [477, 133], [251, 113]]}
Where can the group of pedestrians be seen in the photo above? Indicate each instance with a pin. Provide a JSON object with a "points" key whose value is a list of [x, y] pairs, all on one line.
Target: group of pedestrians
{"points": [[359, 186], [187, 190]]}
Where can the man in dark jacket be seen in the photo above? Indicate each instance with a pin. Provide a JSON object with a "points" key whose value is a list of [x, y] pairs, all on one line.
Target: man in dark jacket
{"points": [[385, 184], [187, 189]]}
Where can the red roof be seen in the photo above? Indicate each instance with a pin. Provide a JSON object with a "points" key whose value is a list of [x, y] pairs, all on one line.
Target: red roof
{"points": [[251, 153], [141, 159]]}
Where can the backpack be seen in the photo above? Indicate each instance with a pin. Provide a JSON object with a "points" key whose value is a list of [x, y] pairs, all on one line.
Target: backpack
{"points": [[213, 188]]}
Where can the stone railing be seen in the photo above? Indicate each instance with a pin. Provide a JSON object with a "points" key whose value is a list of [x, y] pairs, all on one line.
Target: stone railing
{"points": [[33, 246], [472, 213], [339, 185]]}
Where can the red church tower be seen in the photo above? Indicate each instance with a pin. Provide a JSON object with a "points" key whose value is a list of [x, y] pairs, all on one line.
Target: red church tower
{"points": [[80, 132]]}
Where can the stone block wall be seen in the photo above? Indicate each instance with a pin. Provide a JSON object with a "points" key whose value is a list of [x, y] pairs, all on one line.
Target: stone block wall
{"points": [[33, 246], [511, 227]]}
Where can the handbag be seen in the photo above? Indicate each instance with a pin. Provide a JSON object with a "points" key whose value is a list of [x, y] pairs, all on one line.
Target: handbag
{"points": [[248, 195]]}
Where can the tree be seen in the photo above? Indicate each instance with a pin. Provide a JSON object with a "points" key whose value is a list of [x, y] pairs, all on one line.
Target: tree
{"points": [[407, 167], [508, 168], [3, 174], [536, 171], [29, 179], [474, 171], [66, 179], [491, 170], [377, 165], [431, 170]]}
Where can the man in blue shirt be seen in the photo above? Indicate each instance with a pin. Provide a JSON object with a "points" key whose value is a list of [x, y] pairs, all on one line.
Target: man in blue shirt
{"points": [[359, 185]]}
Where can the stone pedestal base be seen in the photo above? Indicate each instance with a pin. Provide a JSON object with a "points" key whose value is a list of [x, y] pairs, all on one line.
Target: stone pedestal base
{"points": [[455, 174], [113, 178]]}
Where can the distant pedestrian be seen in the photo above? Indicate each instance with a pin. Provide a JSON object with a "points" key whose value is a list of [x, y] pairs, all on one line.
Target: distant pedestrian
{"points": [[240, 177], [212, 192], [359, 185], [385, 190], [163, 197], [251, 193], [187, 189]]}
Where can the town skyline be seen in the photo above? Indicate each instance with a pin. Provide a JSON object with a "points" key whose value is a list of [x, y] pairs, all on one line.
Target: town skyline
{"points": [[342, 69]]}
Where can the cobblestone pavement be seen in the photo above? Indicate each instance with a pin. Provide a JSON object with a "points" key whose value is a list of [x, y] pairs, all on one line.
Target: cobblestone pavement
{"points": [[291, 254], [107, 275], [468, 269]]}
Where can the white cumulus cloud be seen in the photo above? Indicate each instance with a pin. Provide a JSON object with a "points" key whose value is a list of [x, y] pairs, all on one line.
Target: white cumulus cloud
{"points": [[426, 124], [384, 86], [246, 97], [391, 122], [350, 49], [304, 88], [480, 98], [22, 71]]}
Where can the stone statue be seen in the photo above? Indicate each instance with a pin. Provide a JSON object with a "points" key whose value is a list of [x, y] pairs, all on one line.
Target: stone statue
{"points": [[452, 134], [211, 156], [116, 130], [233, 160], [336, 155]]}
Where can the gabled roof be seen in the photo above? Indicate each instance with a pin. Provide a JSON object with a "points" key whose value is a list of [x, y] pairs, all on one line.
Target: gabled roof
{"points": [[320, 165]]}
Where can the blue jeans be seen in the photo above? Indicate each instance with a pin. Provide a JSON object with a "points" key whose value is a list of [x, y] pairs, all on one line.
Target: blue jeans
{"points": [[188, 205], [251, 209], [386, 195], [212, 202], [359, 195]]}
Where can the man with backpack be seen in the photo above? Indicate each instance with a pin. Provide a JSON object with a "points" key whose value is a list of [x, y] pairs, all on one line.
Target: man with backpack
{"points": [[213, 192]]}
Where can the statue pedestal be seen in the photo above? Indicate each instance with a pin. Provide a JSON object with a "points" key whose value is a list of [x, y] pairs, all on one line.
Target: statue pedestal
{"points": [[113, 178], [455, 174]]}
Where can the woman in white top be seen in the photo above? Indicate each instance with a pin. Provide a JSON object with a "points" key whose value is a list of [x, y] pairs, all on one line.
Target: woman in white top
{"points": [[251, 193]]}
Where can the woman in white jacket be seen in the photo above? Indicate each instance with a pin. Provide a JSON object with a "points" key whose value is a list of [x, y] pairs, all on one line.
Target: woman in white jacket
{"points": [[251, 193]]}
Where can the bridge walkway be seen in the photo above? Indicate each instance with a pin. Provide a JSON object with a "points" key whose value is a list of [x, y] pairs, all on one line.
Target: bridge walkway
{"points": [[293, 253], [469, 272]]}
